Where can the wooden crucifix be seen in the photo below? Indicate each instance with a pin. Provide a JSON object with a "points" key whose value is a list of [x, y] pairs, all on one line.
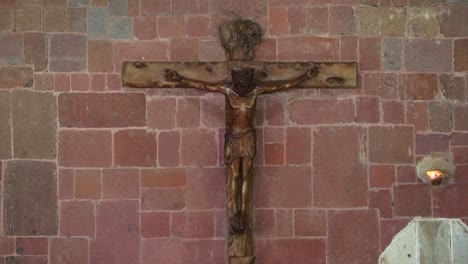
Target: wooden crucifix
{"points": [[247, 80]]}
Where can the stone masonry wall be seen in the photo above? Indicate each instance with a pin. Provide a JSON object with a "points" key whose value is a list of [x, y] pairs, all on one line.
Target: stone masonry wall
{"points": [[93, 173]]}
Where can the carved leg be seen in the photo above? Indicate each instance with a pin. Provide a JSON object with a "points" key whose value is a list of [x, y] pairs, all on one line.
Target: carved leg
{"points": [[234, 185], [246, 181]]}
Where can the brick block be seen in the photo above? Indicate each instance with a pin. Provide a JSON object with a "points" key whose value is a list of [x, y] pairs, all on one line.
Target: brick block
{"points": [[346, 231], [325, 111], [31, 246], [428, 55], [35, 50], [188, 112], [62, 82], [462, 173], [308, 48], [156, 7], [88, 184], [212, 111], [198, 147], [284, 186], [77, 20], [68, 250], [278, 21], [185, 49], [64, 59], [205, 251], [6, 20], [406, 174], [97, 23], [298, 146], [210, 50], [370, 53], [349, 180], [113, 82], [274, 135], [417, 114], [100, 56], [264, 223], [418, 86], [392, 54], [393, 112], [121, 28], [118, 7], [193, 224], [154, 199], [161, 113], [440, 114], [169, 148], [11, 48], [117, 233], [310, 223], [453, 20], [393, 22], [389, 228], [161, 250], [66, 184], [412, 200], [120, 184], [85, 148], [460, 115], [342, 20], [316, 20], [367, 110], [7, 245], [428, 143], [5, 130], [452, 86], [28, 19], [55, 2], [28, 185], [445, 201], [274, 154], [138, 51], [44, 82], [274, 111], [198, 26], [55, 19], [459, 139], [384, 85], [135, 147], [461, 55], [210, 194], [171, 26], [35, 125], [460, 155], [155, 224], [391, 144], [276, 251], [284, 223], [98, 82], [145, 28], [26, 259], [381, 200], [15, 76], [381, 176], [77, 218], [349, 47], [368, 21], [423, 22], [102, 110], [156, 178], [133, 8]]}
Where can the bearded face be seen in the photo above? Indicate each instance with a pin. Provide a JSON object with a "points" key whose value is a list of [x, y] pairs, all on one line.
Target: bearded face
{"points": [[243, 80]]}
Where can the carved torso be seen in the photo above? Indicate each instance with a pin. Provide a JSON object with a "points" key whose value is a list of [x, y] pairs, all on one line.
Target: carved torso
{"points": [[240, 112]]}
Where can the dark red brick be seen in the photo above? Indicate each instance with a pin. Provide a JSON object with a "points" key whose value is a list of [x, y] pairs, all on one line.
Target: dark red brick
{"points": [[343, 145], [79, 82], [417, 114], [77, 218], [212, 111], [428, 55], [460, 116], [381, 176], [369, 53], [66, 184], [155, 7], [7, 245], [264, 223], [68, 250], [198, 147], [280, 251], [85, 148], [284, 223], [171, 27], [298, 145], [27, 186], [62, 82], [288, 187], [100, 57], [162, 113], [428, 143], [447, 201], [310, 223], [88, 184], [412, 200], [349, 47], [188, 112], [461, 173], [418, 86], [98, 82], [274, 111], [367, 110], [15, 76], [346, 231], [389, 228], [308, 48], [274, 154], [185, 49], [384, 85], [321, 111], [156, 178], [102, 110], [391, 144], [406, 174], [393, 112], [64, 59], [161, 250], [381, 200], [135, 147], [120, 184], [278, 21], [31, 246], [198, 26], [144, 28], [35, 50], [459, 139], [204, 251], [210, 194], [155, 224], [460, 155], [153, 199], [461, 54], [193, 224], [117, 233]]}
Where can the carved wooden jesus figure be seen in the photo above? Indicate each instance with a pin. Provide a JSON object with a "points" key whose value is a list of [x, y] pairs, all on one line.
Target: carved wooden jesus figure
{"points": [[240, 138]]}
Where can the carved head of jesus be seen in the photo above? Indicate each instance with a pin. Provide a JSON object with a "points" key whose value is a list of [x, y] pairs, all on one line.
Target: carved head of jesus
{"points": [[243, 80]]}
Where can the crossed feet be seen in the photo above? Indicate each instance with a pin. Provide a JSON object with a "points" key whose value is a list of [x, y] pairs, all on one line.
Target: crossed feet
{"points": [[238, 223]]}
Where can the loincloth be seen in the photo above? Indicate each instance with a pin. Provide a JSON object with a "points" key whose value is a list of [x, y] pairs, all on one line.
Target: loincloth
{"points": [[239, 146]]}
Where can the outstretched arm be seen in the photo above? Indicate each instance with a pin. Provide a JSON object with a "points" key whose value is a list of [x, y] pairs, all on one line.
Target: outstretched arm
{"points": [[276, 86], [174, 76]]}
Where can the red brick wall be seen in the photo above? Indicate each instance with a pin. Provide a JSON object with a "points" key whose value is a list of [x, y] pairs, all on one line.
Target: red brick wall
{"points": [[139, 173]]}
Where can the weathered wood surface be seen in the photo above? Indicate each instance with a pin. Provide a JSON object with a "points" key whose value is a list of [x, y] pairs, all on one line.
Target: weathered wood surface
{"points": [[151, 74]]}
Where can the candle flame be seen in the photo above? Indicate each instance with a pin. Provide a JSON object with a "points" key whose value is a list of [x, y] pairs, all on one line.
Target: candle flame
{"points": [[434, 174]]}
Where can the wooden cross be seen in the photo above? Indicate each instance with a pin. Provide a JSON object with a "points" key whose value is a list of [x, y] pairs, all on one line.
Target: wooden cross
{"points": [[247, 80]]}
